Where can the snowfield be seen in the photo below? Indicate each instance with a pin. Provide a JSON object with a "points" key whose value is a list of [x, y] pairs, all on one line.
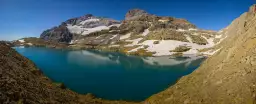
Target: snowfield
{"points": [[84, 31], [22, 40], [164, 47], [122, 37], [145, 33]]}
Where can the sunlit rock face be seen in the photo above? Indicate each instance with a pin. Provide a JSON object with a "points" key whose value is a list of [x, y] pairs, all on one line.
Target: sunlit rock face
{"points": [[136, 35]]}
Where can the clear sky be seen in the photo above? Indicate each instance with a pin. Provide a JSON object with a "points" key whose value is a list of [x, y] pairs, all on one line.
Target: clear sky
{"points": [[26, 18]]}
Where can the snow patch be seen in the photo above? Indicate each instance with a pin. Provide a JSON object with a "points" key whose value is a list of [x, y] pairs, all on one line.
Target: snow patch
{"points": [[113, 36], [162, 20], [210, 52], [125, 36], [91, 30], [22, 40], [218, 36], [29, 44], [145, 33], [164, 47], [134, 42], [84, 31], [192, 29], [181, 30], [89, 20], [189, 39]]}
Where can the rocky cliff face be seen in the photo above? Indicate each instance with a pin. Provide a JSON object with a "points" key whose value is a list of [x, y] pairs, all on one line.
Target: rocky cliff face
{"points": [[83, 25], [228, 77], [58, 34], [136, 34]]}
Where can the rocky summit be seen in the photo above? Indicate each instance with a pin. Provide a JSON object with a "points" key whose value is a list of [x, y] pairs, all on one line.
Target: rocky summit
{"points": [[141, 33]]}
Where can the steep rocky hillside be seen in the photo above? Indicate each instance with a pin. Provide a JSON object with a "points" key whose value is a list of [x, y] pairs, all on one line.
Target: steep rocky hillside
{"points": [[228, 77], [140, 33], [22, 83]]}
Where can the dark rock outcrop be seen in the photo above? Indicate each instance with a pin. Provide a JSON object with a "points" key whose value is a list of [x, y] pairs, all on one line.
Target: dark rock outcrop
{"points": [[58, 34]]}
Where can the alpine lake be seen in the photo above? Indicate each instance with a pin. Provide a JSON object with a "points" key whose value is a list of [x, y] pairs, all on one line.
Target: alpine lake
{"points": [[110, 75]]}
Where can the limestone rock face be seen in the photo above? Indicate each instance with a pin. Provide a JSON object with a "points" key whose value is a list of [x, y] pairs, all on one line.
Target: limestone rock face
{"points": [[227, 77]]}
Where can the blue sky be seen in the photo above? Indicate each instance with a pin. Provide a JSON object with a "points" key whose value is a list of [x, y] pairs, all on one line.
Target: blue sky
{"points": [[26, 18]]}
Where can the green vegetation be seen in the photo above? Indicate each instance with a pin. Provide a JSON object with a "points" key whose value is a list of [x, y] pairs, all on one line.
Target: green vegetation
{"points": [[165, 34], [146, 46], [181, 49], [177, 54], [122, 42], [198, 40], [142, 52]]}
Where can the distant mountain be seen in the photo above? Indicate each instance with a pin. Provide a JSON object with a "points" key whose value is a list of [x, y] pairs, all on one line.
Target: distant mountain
{"points": [[141, 33], [81, 25]]}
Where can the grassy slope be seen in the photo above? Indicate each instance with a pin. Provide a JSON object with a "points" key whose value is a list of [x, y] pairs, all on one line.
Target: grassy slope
{"points": [[228, 77]]}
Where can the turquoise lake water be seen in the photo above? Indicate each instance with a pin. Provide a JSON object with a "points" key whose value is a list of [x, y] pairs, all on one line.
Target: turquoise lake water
{"points": [[110, 75]]}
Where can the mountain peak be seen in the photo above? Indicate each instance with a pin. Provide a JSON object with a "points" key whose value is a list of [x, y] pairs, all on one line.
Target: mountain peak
{"points": [[87, 16], [133, 13]]}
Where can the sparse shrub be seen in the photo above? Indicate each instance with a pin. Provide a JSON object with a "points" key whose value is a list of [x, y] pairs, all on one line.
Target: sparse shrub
{"points": [[142, 52], [121, 42], [146, 46], [164, 34], [178, 54], [113, 28], [198, 40], [181, 49], [156, 42]]}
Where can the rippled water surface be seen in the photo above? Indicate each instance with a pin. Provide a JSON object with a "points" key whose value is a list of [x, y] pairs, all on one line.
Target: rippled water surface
{"points": [[110, 75]]}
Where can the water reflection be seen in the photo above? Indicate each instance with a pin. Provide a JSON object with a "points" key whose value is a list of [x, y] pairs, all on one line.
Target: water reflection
{"points": [[96, 57]]}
